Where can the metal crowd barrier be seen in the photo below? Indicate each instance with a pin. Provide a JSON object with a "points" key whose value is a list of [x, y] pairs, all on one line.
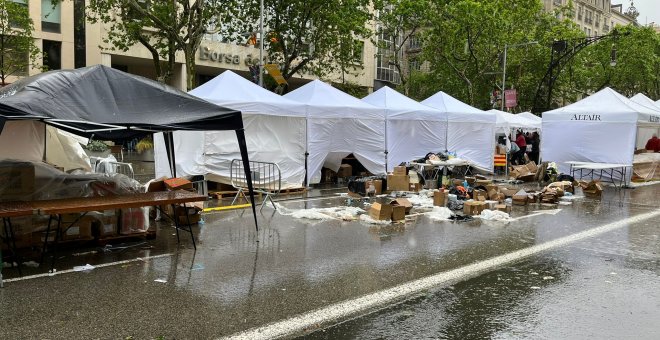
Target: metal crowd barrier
{"points": [[110, 167], [266, 179]]}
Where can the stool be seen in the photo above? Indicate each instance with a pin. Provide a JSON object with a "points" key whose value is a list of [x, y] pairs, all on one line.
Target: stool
{"points": [[500, 161]]}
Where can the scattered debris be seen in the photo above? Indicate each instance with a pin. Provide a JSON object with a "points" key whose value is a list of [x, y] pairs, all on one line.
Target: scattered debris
{"points": [[85, 253], [160, 280], [534, 287], [440, 214], [31, 264], [548, 277], [84, 268], [367, 219], [494, 215]]}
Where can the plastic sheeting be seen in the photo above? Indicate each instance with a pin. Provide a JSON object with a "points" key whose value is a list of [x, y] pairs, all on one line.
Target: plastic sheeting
{"points": [[413, 129], [26, 140], [338, 125], [600, 128], [471, 132]]}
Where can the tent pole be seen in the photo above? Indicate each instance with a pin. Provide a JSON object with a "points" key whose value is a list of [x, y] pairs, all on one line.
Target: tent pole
{"points": [[168, 137], [240, 135]]}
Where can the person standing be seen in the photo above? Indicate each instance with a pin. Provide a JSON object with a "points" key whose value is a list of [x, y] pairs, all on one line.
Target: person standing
{"points": [[522, 144], [535, 141]]}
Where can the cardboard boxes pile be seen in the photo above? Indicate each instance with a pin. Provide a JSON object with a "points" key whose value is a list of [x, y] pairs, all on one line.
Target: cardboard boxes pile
{"points": [[525, 173]]}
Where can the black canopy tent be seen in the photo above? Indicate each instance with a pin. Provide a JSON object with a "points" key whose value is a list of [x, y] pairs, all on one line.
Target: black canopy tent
{"points": [[110, 104]]}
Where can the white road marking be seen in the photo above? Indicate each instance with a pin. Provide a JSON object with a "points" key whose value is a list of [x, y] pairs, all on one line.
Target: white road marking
{"points": [[539, 212], [348, 308], [67, 271]]}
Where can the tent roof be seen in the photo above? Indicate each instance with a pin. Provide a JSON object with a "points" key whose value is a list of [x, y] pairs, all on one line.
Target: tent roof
{"points": [[233, 91], [398, 106], [457, 110], [642, 99], [604, 105], [325, 101], [530, 116], [111, 104], [508, 120]]}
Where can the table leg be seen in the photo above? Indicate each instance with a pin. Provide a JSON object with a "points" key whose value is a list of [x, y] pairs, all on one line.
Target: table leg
{"points": [[189, 226], [57, 238], [10, 239], [43, 249], [175, 218]]}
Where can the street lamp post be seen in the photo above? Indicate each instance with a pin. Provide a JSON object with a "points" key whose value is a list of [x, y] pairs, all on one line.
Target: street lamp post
{"points": [[261, 43], [506, 46]]}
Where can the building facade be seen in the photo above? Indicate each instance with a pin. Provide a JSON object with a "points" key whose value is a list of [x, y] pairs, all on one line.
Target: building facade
{"points": [[595, 17], [70, 41]]}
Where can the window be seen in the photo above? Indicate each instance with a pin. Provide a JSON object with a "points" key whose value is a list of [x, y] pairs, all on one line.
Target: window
{"points": [[79, 42], [358, 51], [51, 16], [414, 42], [387, 56], [414, 65], [52, 54]]}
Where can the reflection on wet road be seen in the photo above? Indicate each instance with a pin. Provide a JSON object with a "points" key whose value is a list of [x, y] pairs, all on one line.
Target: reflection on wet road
{"points": [[234, 283]]}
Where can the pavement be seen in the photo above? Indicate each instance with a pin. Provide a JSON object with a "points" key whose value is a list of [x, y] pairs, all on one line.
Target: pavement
{"points": [[589, 270]]}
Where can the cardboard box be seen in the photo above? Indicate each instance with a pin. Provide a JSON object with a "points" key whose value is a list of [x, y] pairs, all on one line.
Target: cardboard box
{"points": [[413, 177], [178, 183], [400, 170], [17, 181], [345, 170], [593, 190], [491, 204], [520, 198], [508, 192], [380, 211], [81, 230], [398, 213], [378, 184], [440, 198], [415, 187], [402, 202], [471, 180], [473, 207], [157, 185], [504, 208], [483, 182], [398, 183], [479, 195], [531, 166]]}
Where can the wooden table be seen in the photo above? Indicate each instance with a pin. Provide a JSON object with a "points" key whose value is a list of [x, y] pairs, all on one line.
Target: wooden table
{"points": [[55, 208]]}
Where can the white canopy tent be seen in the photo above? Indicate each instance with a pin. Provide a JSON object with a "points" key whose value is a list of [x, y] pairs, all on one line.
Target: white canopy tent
{"points": [[644, 133], [508, 121], [337, 125], [531, 117], [274, 132], [470, 131], [413, 129], [600, 128]]}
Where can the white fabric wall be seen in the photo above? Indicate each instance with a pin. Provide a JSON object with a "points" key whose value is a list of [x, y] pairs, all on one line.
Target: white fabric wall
{"points": [[644, 134], [412, 139], [605, 142], [280, 140], [23, 140], [473, 141], [331, 139]]}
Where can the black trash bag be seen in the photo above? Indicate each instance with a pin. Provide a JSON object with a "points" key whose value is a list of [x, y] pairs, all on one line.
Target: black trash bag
{"points": [[564, 177]]}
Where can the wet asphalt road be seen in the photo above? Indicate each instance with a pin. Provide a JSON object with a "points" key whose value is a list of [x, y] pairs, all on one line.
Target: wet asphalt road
{"points": [[601, 287]]}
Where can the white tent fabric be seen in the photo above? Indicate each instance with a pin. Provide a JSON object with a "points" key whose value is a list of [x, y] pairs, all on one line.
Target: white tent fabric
{"points": [[508, 121], [274, 132], [471, 132], [337, 125], [413, 129], [645, 132], [599, 128], [531, 116], [28, 140]]}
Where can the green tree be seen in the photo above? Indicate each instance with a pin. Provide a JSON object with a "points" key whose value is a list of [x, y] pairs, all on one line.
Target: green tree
{"points": [[17, 48], [164, 28], [319, 36], [637, 67]]}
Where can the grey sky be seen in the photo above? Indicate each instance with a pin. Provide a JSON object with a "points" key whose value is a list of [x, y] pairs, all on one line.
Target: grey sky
{"points": [[649, 10]]}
